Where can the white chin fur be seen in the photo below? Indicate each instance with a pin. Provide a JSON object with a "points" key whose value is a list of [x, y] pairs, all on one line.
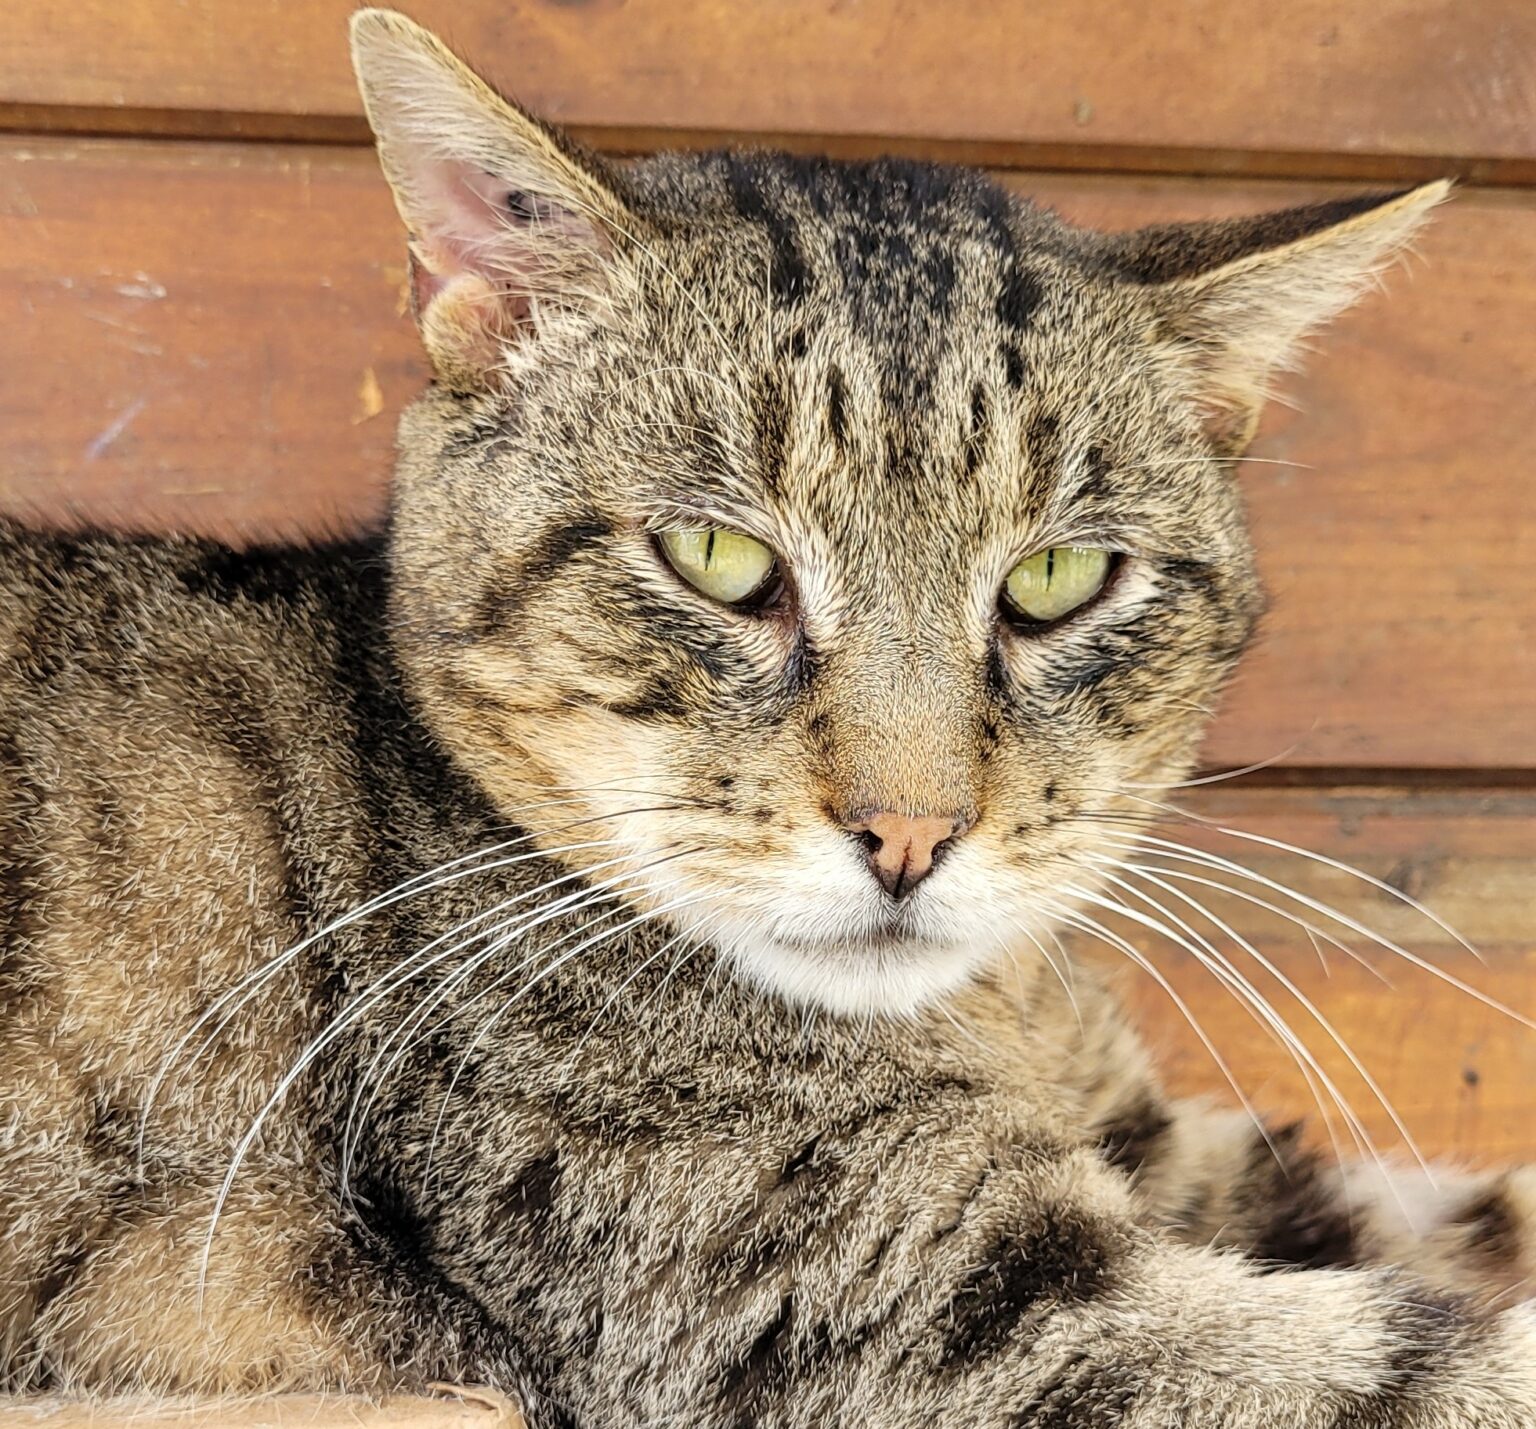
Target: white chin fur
{"points": [[889, 981], [890, 984]]}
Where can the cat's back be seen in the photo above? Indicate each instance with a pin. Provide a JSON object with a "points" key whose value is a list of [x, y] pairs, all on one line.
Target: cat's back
{"points": [[179, 802], [91, 611]]}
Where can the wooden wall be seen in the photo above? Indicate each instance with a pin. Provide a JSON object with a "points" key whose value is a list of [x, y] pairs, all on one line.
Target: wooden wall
{"points": [[201, 327]]}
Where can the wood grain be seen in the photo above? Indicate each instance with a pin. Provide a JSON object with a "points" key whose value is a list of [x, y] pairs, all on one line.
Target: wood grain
{"points": [[211, 337], [1316, 86], [451, 1409], [1461, 1074]]}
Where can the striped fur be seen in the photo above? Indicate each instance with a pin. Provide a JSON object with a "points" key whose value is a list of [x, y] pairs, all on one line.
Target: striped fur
{"points": [[660, 1156]]}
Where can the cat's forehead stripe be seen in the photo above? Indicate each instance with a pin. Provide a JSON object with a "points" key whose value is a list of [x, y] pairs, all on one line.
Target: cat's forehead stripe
{"points": [[887, 235], [788, 274]]}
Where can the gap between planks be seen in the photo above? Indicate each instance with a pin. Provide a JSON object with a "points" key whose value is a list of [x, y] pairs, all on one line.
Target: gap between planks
{"points": [[83, 122]]}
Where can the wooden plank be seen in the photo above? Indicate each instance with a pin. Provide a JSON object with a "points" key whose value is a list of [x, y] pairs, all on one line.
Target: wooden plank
{"points": [[200, 336], [1462, 1075], [1314, 86], [212, 337], [451, 1409]]}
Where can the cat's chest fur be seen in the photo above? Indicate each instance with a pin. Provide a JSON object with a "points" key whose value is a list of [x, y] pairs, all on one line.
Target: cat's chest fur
{"points": [[555, 1141]]}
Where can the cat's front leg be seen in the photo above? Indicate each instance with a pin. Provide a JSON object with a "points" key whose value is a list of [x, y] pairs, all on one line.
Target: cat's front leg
{"points": [[288, 1292], [1207, 1341], [1075, 1318], [1020, 1291]]}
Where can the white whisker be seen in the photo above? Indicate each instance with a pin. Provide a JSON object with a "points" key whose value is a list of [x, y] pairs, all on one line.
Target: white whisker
{"points": [[1061, 977], [1210, 958], [1310, 929], [613, 997], [554, 967], [1192, 855], [1221, 776], [1338, 865], [1363, 1141], [1359, 1066], [502, 935], [1076, 919], [247, 986], [387, 983]]}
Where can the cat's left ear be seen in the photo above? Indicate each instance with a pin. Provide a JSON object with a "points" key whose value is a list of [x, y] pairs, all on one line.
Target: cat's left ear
{"points": [[1237, 296], [510, 223]]}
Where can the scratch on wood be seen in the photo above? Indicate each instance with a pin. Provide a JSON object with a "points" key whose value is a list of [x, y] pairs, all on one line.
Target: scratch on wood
{"points": [[143, 347], [20, 203], [114, 429], [370, 398], [143, 287]]}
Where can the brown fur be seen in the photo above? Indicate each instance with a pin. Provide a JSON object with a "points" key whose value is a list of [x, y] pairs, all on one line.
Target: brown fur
{"points": [[638, 1095]]}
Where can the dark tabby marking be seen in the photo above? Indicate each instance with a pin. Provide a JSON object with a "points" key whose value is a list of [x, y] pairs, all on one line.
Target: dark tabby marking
{"points": [[1494, 1228], [1019, 299], [837, 410], [1065, 1256], [1013, 365], [1133, 1135], [1306, 1223], [976, 430]]}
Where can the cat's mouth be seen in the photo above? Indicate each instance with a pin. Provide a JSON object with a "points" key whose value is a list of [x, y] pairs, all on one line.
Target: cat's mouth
{"points": [[842, 946]]}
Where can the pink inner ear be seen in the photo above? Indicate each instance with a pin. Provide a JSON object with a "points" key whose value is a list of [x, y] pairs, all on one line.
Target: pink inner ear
{"points": [[515, 207], [487, 248], [481, 223]]}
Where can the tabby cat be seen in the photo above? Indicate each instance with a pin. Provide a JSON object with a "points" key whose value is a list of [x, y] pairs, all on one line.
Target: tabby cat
{"points": [[592, 939]]}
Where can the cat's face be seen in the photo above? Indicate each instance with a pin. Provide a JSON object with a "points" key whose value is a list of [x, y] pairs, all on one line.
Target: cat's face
{"points": [[826, 554]]}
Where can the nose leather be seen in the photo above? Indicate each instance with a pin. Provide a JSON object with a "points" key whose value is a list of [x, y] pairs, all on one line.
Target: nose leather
{"points": [[903, 848]]}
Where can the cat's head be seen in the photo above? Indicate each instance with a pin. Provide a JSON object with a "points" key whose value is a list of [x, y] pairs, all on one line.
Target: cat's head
{"points": [[858, 540]]}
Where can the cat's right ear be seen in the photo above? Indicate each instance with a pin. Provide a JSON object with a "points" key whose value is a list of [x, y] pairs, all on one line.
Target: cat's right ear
{"points": [[510, 225]]}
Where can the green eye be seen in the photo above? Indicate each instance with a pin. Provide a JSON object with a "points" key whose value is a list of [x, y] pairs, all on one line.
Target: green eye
{"points": [[725, 565], [1055, 582]]}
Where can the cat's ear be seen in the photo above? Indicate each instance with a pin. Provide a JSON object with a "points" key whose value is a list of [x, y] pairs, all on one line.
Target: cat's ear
{"points": [[510, 224], [1237, 296]]}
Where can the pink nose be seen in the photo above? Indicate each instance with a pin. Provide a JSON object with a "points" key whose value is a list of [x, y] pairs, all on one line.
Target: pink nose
{"points": [[903, 848]]}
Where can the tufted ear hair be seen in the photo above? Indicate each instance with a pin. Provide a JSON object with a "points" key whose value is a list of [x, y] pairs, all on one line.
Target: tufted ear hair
{"points": [[1239, 295], [510, 223]]}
